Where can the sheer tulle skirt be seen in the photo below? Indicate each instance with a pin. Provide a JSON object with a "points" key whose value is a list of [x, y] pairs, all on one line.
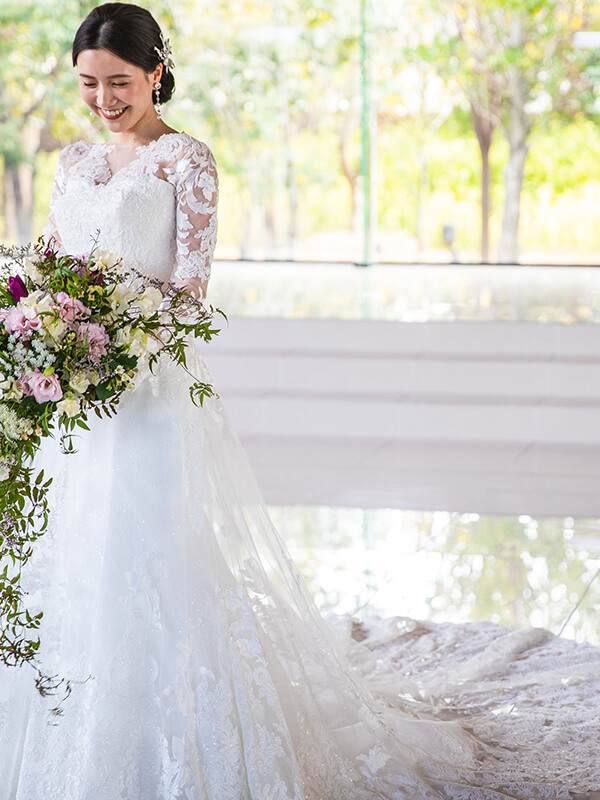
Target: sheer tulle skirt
{"points": [[201, 669]]}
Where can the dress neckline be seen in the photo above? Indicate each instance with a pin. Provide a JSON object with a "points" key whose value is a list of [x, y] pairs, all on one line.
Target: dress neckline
{"points": [[143, 146], [140, 154]]}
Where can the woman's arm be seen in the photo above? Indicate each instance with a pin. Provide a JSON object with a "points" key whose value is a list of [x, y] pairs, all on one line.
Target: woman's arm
{"points": [[196, 217]]}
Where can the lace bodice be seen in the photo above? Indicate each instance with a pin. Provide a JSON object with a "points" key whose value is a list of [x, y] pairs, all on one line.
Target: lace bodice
{"points": [[155, 205]]}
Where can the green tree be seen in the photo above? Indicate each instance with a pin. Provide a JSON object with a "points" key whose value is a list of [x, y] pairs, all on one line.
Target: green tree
{"points": [[512, 571], [514, 63], [35, 92]]}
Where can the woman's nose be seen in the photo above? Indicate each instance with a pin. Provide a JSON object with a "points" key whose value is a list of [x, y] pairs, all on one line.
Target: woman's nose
{"points": [[104, 96]]}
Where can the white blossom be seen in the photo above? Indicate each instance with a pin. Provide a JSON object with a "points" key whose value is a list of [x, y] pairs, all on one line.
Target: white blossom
{"points": [[69, 405]]}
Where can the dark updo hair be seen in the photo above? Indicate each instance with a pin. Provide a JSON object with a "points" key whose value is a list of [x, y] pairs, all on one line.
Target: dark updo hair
{"points": [[129, 32]]}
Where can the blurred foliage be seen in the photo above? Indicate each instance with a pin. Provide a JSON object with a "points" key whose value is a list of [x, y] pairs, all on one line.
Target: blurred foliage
{"points": [[522, 570], [274, 87]]}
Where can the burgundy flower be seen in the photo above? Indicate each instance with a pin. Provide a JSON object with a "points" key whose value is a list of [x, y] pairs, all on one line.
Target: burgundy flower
{"points": [[96, 277], [17, 288]]}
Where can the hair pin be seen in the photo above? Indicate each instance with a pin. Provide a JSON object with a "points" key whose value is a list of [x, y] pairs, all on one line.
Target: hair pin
{"points": [[165, 53]]}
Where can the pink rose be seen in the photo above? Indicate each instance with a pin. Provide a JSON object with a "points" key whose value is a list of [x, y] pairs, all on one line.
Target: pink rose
{"points": [[17, 320], [44, 388], [26, 386], [69, 308], [95, 337]]}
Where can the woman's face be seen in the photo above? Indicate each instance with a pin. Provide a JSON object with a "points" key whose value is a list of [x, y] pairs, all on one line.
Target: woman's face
{"points": [[118, 92]]}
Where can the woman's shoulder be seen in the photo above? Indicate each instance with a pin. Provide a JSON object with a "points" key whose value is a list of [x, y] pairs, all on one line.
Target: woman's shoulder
{"points": [[180, 145], [74, 151], [71, 157], [181, 156]]}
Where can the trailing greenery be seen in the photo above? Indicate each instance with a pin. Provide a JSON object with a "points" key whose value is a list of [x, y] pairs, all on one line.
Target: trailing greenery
{"points": [[75, 335]]}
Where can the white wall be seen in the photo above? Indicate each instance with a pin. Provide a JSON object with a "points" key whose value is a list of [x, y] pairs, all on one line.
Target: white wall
{"points": [[489, 417]]}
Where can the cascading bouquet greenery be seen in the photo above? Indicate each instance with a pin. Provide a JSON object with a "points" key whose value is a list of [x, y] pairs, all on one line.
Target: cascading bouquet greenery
{"points": [[75, 334]]}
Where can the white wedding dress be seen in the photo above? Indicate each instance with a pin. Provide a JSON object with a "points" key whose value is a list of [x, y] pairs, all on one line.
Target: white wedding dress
{"points": [[201, 669]]}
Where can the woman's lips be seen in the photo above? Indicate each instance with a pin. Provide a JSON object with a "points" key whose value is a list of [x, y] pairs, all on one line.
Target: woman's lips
{"points": [[112, 114]]}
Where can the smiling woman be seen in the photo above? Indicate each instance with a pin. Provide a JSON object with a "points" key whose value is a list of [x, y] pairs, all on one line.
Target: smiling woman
{"points": [[120, 93], [125, 71]]}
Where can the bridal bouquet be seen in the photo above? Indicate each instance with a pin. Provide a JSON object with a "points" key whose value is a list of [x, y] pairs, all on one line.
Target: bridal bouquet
{"points": [[75, 334]]}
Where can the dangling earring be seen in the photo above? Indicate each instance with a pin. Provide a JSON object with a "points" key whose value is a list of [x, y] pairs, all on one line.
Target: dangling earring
{"points": [[157, 100]]}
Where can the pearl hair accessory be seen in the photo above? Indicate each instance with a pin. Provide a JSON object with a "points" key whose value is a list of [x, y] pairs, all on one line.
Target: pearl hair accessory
{"points": [[165, 53]]}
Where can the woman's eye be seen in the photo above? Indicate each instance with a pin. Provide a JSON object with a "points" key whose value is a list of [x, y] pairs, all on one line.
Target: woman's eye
{"points": [[119, 84], [89, 85]]}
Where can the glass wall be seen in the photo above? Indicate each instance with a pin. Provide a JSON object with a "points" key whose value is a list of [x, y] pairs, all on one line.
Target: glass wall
{"points": [[369, 130]]}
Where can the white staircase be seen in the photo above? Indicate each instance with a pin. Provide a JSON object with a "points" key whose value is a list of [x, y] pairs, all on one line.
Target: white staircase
{"points": [[488, 417]]}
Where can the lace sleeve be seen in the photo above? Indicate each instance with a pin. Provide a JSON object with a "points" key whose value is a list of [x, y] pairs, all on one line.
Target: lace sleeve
{"points": [[197, 193]]}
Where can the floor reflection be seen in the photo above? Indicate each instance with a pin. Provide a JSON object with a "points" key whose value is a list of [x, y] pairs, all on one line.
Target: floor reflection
{"points": [[450, 567]]}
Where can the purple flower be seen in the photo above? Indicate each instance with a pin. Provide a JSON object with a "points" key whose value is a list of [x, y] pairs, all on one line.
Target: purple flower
{"points": [[17, 288], [96, 277]]}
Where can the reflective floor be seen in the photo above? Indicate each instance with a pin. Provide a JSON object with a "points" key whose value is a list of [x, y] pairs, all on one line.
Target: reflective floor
{"points": [[450, 567], [434, 565], [407, 293]]}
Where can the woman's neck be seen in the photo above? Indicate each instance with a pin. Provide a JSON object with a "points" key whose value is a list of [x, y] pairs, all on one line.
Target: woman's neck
{"points": [[142, 135]]}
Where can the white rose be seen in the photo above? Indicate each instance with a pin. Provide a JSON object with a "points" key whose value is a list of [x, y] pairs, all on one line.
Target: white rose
{"points": [[93, 376], [54, 326], [142, 343], [30, 302], [69, 405], [79, 382], [30, 268], [123, 336], [45, 304], [38, 302], [121, 297], [106, 260], [15, 392], [150, 301]]}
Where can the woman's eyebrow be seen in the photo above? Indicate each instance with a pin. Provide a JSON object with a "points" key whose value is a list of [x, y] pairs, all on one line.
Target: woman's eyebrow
{"points": [[121, 75]]}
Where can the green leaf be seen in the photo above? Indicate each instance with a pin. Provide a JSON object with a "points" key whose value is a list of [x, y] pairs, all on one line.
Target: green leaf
{"points": [[103, 391]]}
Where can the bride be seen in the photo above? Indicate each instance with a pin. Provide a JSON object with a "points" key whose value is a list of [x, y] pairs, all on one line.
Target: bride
{"points": [[200, 667]]}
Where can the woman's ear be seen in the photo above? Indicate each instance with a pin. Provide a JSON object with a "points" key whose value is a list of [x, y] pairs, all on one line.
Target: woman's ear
{"points": [[157, 74]]}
